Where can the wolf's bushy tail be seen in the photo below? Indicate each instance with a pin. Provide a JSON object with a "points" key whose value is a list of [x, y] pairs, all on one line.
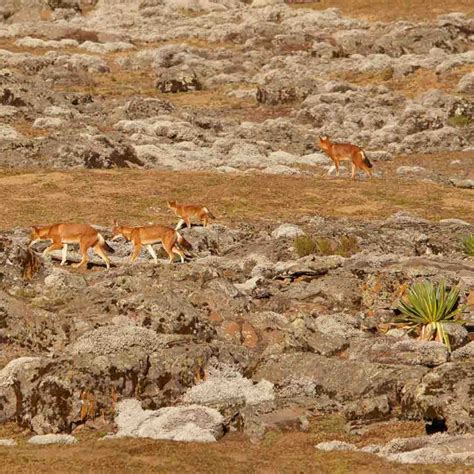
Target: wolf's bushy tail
{"points": [[366, 161], [103, 243], [182, 242]]}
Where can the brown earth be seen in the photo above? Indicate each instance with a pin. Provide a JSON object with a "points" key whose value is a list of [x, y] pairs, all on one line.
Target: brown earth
{"points": [[411, 85], [390, 10], [128, 195], [277, 452], [101, 196]]}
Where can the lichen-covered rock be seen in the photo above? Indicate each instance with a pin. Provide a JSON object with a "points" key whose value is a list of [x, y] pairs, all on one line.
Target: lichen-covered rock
{"points": [[231, 388], [141, 108], [463, 353], [249, 89], [53, 439], [124, 362], [444, 394], [406, 351], [177, 79], [466, 84], [8, 442], [98, 152], [9, 133], [439, 448], [192, 423], [287, 231], [335, 446]]}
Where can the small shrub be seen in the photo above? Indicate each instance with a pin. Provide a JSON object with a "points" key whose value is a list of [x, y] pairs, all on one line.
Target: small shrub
{"points": [[459, 120], [468, 245], [387, 73], [428, 307], [348, 245], [324, 246], [345, 246], [304, 246]]}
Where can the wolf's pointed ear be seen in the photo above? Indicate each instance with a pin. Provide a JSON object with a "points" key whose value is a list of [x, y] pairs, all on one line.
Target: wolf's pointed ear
{"points": [[323, 138], [34, 228]]}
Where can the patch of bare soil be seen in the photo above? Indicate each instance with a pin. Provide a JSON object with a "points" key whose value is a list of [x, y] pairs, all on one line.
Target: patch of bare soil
{"points": [[277, 452], [411, 85], [129, 195], [390, 10]]}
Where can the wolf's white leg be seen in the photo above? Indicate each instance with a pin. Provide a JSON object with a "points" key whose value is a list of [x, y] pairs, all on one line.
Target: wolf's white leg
{"points": [[180, 224], [64, 256], [152, 253], [177, 251]]}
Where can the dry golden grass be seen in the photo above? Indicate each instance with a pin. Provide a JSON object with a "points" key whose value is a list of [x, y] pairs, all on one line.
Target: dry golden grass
{"points": [[119, 83], [99, 196], [9, 45], [390, 10], [46, 15], [198, 43], [411, 85], [25, 127], [124, 84], [277, 452]]}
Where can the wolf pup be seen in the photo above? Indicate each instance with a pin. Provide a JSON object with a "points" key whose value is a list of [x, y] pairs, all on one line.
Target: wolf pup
{"points": [[63, 234], [345, 151], [173, 242], [186, 211]]}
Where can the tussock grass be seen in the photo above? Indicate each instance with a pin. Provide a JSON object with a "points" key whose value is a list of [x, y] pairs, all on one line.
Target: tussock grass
{"points": [[459, 120], [468, 245], [346, 246], [305, 245]]}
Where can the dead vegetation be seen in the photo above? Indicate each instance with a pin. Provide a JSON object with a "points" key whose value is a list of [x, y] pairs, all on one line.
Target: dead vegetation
{"points": [[278, 452], [25, 127], [345, 246], [128, 195], [10, 45], [390, 10], [411, 85]]}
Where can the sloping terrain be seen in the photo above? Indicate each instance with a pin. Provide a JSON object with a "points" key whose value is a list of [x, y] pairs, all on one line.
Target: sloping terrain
{"points": [[109, 108]]}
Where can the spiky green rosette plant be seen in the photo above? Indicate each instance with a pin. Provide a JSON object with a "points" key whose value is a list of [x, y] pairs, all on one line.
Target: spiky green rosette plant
{"points": [[428, 307], [468, 244]]}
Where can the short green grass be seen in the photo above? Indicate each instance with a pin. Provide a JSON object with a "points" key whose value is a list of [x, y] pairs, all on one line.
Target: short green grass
{"points": [[460, 120], [468, 245]]}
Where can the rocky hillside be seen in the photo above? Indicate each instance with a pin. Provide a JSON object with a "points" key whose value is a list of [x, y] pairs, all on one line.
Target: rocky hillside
{"points": [[226, 86], [250, 336], [310, 335]]}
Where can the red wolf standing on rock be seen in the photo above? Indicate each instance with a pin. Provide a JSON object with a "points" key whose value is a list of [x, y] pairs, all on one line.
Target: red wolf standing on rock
{"points": [[186, 211], [63, 234], [173, 242], [345, 151]]}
